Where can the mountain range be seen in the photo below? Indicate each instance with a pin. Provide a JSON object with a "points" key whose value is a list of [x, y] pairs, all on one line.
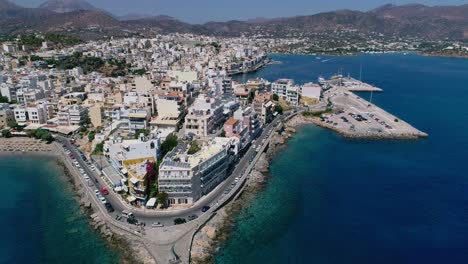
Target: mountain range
{"points": [[78, 17]]}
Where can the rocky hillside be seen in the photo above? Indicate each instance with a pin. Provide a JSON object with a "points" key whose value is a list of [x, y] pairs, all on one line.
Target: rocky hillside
{"points": [[64, 6], [406, 21]]}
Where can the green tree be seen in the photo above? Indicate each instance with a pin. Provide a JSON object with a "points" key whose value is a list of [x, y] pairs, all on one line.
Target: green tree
{"points": [[194, 148], [223, 133], [139, 71], [3, 99], [145, 132], [275, 97], [169, 144], [279, 109], [99, 149], [12, 123], [41, 134], [91, 136], [6, 133], [162, 198]]}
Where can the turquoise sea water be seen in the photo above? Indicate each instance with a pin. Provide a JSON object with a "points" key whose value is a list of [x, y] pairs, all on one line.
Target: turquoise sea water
{"points": [[332, 200], [40, 220]]}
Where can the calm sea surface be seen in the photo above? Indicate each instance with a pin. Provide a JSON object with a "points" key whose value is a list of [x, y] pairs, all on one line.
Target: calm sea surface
{"points": [[332, 200], [40, 220]]}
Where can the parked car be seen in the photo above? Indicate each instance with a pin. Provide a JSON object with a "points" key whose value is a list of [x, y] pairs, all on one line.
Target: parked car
{"points": [[109, 207], [104, 191], [157, 224], [127, 214], [205, 208], [192, 217], [179, 221]]}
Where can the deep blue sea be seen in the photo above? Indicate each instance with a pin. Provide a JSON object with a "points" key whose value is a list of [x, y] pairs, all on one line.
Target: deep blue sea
{"points": [[332, 200], [40, 220]]}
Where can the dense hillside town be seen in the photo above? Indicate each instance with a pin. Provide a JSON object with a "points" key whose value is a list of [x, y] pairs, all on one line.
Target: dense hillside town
{"points": [[135, 105]]}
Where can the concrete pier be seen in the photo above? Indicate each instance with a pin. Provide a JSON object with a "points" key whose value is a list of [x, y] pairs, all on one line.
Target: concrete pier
{"points": [[354, 85], [356, 117]]}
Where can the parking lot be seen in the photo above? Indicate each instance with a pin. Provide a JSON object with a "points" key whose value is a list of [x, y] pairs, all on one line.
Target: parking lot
{"points": [[356, 116]]}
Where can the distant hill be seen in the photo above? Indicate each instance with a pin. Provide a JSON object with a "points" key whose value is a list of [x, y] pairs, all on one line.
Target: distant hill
{"points": [[134, 16], [64, 6], [79, 17]]}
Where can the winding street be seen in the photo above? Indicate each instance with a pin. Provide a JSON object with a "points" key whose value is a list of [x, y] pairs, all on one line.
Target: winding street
{"points": [[172, 243]]}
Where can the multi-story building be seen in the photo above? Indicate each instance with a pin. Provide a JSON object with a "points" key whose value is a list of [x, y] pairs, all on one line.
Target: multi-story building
{"points": [[10, 47], [21, 115], [292, 95], [38, 113], [204, 117], [7, 115], [186, 178], [227, 86], [251, 120], [25, 96], [136, 171], [138, 119], [281, 86], [72, 115], [118, 150], [233, 127], [263, 106], [286, 89], [9, 91]]}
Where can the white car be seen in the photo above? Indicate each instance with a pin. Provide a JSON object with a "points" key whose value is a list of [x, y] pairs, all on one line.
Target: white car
{"points": [[157, 224], [103, 200]]}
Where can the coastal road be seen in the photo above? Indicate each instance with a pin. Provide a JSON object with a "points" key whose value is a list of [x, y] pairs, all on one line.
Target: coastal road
{"points": [[167, 218]]}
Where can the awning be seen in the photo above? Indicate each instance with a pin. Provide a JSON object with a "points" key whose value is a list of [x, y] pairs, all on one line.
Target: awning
{"points": [[151, 202], [134, 180], [131, 198]]}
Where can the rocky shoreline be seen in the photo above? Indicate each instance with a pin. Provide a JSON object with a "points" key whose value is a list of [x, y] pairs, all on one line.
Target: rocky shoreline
{"points": [[129, 248], [218, 229]]}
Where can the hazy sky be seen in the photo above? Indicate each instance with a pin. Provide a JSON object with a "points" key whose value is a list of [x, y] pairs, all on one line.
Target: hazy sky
{"points": [[199, 11]]}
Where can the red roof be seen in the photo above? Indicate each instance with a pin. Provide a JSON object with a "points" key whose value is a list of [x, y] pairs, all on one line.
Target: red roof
{"points": [[231, 121]]}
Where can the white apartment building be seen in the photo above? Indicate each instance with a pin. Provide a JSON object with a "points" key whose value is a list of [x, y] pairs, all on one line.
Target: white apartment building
{"points": [[138, 119], [281, 86], [38, 113], [26, 95], [9, 91], [72, 115], [118, 150], [21, 115], [204, 116], [10, 47], [286, 89], [186, 178], [292, 95]]}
